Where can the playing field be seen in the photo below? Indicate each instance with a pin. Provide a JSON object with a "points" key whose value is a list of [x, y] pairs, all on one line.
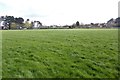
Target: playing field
{"points": [[0, 54], [60, 53]]}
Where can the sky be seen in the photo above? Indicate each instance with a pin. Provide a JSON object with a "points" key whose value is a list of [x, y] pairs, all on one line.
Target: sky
{"points": [[61, 12]]}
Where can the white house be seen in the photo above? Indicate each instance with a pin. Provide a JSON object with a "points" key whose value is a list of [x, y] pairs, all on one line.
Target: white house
{"points": [[1, 24], [37, 24]]}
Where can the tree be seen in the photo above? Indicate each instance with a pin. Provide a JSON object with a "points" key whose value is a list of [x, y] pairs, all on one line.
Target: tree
{"points": [[32, 24], [28, 20], [13, 25], [9, 20], [19, 20], [77, 23], [27, 24], [92, 23]]}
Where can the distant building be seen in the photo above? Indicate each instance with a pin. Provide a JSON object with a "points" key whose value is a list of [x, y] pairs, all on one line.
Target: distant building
{"points": [[117, 22], [111, 23], [3, 23], [37, 25]]}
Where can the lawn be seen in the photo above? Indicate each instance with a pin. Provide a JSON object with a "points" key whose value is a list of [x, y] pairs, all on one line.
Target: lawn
{"points": [[0, 54], [60, 53]]}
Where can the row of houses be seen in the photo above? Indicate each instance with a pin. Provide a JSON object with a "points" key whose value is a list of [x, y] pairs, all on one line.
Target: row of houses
{"points": [[112, 23]]}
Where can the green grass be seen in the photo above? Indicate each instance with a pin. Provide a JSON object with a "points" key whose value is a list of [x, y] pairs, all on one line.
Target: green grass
{"points": [[0, 54], [72, 53]]}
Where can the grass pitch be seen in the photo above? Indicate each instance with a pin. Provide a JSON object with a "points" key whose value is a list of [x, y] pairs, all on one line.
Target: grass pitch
{"points": [[60, 53]]}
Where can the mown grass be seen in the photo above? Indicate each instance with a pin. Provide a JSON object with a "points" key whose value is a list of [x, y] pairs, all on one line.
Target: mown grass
{"points": [[0, 54], [73, 53]]}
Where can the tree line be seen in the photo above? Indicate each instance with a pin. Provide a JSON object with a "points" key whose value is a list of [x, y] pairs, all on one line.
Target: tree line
{"points": [[11, 22]]}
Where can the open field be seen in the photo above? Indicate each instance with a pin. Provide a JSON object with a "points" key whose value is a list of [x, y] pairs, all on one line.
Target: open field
{"points": [[0, 54], [72, 53]]}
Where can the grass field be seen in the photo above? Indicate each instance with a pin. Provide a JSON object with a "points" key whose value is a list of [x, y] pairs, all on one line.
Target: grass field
{"points": [[0, 54], [72, 53]]}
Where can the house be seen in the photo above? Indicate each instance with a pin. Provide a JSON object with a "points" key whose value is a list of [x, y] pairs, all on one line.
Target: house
{"points": [[37, 25], [117, 22], [3, 23], [111, 23]]}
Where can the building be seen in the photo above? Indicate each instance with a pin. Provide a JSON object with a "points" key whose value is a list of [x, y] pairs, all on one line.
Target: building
{"points": [[117, 22], [111, 23], [3, 23], [37, 25]]}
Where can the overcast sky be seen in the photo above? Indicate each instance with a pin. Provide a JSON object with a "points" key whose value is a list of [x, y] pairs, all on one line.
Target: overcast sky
{"points": [[61, 12]]}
